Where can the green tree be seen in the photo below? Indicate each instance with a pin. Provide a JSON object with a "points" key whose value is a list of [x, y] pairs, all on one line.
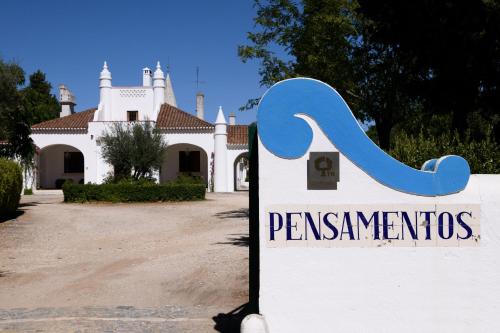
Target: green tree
{"points": [[396, 63], [327, 40], [134, 150], [14, 118], [452, 49], [40, 103]]}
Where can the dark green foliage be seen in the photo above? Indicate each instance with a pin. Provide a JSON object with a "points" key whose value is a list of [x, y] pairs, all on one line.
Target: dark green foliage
{"points": [[133, 192], [187, 179], [395, 62], [38, 100], [28, 191], [14, 117], [11, 184], [61, 181], [134, 150], [483, 156], [21, 108], [452, 52]]}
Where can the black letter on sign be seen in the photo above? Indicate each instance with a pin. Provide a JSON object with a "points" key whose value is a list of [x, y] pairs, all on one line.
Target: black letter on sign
{"points": [[464, 225], [330, 226], [441, 225], [272, 227]]}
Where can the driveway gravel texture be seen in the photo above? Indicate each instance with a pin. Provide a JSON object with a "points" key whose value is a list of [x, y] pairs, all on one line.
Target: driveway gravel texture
{"points": [[142, 267]]}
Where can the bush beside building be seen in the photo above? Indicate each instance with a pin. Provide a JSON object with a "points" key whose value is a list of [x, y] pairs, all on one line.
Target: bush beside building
{"points": [[11, 185], [133, 192]]}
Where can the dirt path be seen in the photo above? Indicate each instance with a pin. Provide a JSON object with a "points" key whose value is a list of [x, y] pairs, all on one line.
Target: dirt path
{"points": [[123, 267]]}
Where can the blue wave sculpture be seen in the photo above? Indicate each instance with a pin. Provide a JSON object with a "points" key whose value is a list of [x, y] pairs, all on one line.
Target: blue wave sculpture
{"points": [[288, 136]]}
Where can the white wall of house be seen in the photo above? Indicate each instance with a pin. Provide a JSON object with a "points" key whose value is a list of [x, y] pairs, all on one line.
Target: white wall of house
{"points": [[182, 140], [96, 169], [51, 166], [170, 167], [233, 155], [113, 106], [78, 141], [139, 99]]}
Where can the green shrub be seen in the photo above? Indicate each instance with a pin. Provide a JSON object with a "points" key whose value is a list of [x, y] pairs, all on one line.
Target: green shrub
{"points": [[61, 181], [133, 192], [11, 185], [28, 191], [187, 179], [483, 156]]}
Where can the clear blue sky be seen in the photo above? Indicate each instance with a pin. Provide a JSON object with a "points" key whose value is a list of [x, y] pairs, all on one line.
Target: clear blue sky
{"points": [[69, 40]]}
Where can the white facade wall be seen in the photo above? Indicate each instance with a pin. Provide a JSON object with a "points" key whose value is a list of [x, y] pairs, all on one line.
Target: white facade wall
{"points": [[51, 166], [375, 289], [146, 100], [178, 141], [139, 99], [233, 153], [79, 141], [96, 170]]}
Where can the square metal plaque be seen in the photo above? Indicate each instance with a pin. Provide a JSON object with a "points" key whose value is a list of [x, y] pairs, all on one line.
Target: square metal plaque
{"points": [[323, 171]]}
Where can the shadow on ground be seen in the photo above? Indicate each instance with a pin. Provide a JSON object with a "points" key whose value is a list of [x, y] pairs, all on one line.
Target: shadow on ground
{"points": [[233, 214], [19, 211], [237, 240], [4, 273], [230, 322], [11, 216]]}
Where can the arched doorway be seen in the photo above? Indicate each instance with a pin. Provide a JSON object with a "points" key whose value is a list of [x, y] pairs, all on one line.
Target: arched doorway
{"points": [[58, 163], [240, 173], [184, 159]]}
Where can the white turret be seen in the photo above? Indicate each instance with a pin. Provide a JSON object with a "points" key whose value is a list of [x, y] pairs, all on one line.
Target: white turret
{"points": [[105, 93], [159, 88], [220, 153], [147, 80], [169, 92]]}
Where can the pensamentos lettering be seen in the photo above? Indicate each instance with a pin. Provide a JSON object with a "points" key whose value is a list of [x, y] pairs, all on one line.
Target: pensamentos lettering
{"points": [[377, 225]]}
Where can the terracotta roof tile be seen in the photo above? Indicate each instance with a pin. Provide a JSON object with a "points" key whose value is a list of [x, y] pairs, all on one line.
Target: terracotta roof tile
{"points": [[171, 117], [78, 120], [237, 134]]}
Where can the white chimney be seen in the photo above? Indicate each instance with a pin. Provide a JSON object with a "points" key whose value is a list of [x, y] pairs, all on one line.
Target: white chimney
{"points": [[158, 88], [67, 101], [232, 119], [147, 79], [200, 108]]}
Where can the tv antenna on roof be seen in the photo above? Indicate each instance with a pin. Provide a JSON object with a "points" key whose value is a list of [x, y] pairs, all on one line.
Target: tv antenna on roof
{"points": [[198, 82]]}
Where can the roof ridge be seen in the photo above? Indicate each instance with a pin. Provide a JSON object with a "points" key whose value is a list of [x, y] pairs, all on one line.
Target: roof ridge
{"points": [[189, 114], [173, 117], [63, 121]]}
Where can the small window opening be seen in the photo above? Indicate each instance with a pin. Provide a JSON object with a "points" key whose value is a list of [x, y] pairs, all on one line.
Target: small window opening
{"points": [[132, 116]]}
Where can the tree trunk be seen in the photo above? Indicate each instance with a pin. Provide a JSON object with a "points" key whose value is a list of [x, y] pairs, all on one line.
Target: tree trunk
{"points": [[383, 133]]}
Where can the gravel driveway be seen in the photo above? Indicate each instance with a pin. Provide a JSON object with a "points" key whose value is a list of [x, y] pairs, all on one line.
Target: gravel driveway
{"points": [[145, 267]]}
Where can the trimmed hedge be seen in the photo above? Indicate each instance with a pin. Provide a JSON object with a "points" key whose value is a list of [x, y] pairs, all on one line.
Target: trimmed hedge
{"points": [[11, 185], [482, 156], [130, 192]]}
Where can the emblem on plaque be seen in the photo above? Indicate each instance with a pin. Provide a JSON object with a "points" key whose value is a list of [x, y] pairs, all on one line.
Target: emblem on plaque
{"points": [[323, 171]]}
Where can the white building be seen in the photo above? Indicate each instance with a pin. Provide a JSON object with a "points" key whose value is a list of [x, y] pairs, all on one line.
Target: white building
{"points": [[69, 147]]}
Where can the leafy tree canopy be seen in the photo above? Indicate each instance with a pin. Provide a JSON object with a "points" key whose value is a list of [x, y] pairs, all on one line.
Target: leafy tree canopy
{"points": [[22, 107], [41, 104], [394, 62], [134, 150], [14, 118]]}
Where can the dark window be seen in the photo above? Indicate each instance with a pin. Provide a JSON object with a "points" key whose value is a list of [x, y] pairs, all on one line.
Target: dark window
{"points": [[73, 162], [189, 161], [132, 115]]}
